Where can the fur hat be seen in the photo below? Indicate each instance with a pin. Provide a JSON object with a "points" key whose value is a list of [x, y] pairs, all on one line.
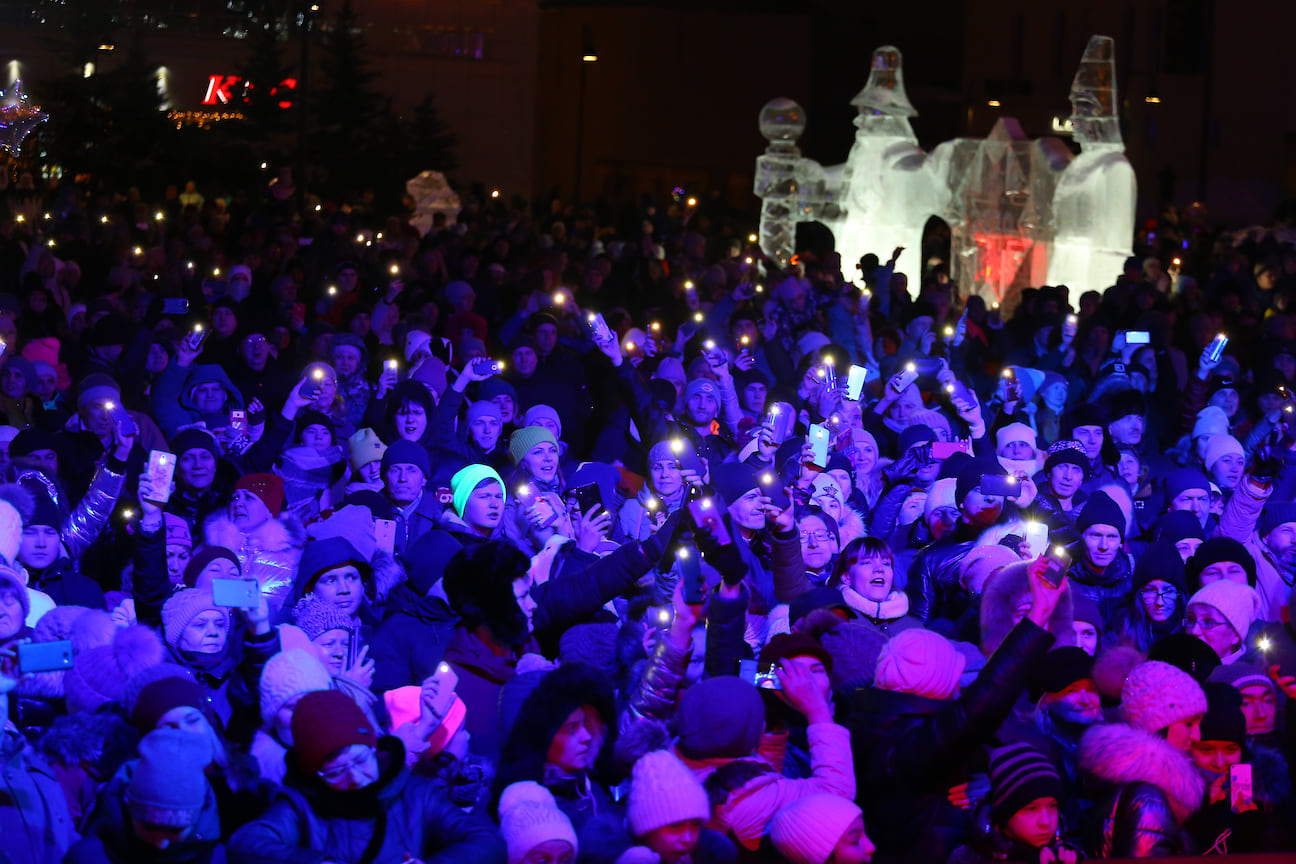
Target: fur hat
{"points": [[807, 830], [1237, 603], [529, 816], [1117, 754], [1002, 593], [99, 675], [920, 662], [1157, 695], [664, 791], [478, 582], [288, 674], [1111, 667]]}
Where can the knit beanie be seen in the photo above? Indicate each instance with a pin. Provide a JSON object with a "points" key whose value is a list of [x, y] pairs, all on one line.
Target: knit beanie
{"points": [[1181, 480], [664, 791], [721, 717], [324, 722], [466, 480], [404, 452], [11, 581], [1217, 550], [732, 480], [809, 829], [311, 417], [99, 675], [1274, 514], [1243, 675], [1067, 451], [1211, 420], [969, 476], [97, 387], [913, 436], [1223, 720], [1157, 694], [46, 511], [184, 606], [194, 439], [1014, 432], [177, 531], [920, 662], [165, 694], [536, 413], [204, 556], [1179, 525], [1161, 560], [315, 617], [1059, 669], [11, 528], [594, 643], [528, 817], [523, 440], [687, 457], [941, 494], [483, 408], [492, 387], [855, 648], [365, 447], [287, 674], [704, 386], [1100, 509], [168, 786], [1237, 603], [268, 487], [1018, 775], [1084, 610], [1219, 446]]}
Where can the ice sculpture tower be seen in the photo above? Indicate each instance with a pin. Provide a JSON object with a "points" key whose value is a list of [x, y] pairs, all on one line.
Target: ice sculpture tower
{"points": [[1093, 207], [1021, 212]]}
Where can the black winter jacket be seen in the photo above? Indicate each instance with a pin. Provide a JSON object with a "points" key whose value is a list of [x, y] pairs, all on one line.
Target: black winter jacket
{"points": [[910, 750]]}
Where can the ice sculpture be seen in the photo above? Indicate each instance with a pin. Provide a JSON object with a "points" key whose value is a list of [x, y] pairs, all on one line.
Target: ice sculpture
{"points": [[1021, 212], [1093, 208], [432, 195]]}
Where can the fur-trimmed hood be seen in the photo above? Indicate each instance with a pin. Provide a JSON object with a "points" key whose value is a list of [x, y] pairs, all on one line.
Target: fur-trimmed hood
{"points": [[1117, 753], [276, 535], [543, 712], [999, 599]]}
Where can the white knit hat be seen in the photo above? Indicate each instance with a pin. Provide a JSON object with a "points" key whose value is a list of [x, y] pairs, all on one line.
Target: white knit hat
{"points": [[1014, 432], [1218, 446], [809, 829], [1211, 420], [288, 674], [664, 791], [11, 528], [920, 662], [1235, 601], [1157, 694], [528, 817]]}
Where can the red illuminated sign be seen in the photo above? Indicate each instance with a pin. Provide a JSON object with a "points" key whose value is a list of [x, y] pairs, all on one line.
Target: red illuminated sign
{"points": [[231, 89]]}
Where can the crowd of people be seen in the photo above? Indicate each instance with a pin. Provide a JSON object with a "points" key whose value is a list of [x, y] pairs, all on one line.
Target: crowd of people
{"points": [[555, 537]]}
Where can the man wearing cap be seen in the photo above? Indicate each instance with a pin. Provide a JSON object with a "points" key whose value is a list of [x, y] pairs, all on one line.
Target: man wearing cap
{"points": [[703, 400], [1100, 568], [405, 477], [1267, 529]]}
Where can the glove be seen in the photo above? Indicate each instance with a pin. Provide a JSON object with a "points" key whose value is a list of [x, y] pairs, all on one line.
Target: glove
{"points": [[657, 544], [1266, 465]]}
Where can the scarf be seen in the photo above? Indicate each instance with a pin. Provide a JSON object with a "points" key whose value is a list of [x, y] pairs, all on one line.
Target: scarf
{"points": [[895, 606]]}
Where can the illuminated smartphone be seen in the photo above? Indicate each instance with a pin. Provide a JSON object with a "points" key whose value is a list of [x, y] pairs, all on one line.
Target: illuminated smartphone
{"points": [[819, 438], [855, 382], [1057, 562], [1215, 350], [236, 593], [906, 378], [385, 534], [161, 468]]}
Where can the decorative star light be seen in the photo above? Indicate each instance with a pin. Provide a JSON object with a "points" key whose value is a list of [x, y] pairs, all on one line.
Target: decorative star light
{"points": [[18, 117]]}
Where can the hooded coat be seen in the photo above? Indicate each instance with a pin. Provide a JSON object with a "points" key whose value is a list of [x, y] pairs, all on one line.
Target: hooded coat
{"points": [[1147, 789], [397, 818], [172, 406]]}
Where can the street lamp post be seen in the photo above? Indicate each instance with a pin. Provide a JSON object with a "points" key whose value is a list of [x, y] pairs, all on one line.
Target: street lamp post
{"points": [[589, 54]]}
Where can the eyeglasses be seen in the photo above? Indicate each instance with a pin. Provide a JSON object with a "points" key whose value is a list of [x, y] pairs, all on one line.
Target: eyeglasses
{"points": [[360, 763], [1206, 624], [1151, 595], [817, 536]]}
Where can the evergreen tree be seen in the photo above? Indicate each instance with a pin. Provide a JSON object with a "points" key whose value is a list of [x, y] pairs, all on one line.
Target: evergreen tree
{"points": [[347, 133], [429, 143], [262, 71]]}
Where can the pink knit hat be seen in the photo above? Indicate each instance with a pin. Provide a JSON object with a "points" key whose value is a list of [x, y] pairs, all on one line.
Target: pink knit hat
{"points": [[664, 791], [920, 662], [1157, 694], [809, 829]]}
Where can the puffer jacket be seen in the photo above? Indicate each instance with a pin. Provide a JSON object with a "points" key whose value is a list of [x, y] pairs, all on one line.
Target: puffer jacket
{"points": [[1241, 513], [1147, 789], [397, 818], [1109, 590], [87, 519], [657, 688], [412, 640], [269, 554], [910, 750]]}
